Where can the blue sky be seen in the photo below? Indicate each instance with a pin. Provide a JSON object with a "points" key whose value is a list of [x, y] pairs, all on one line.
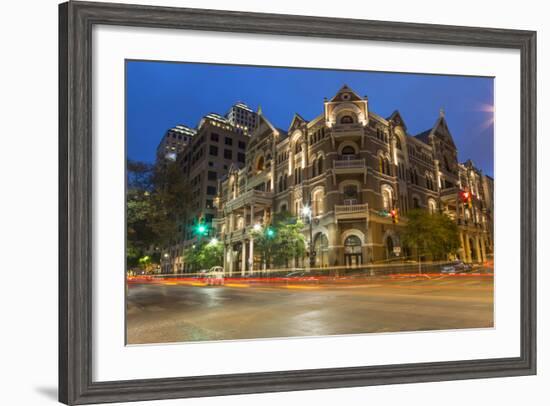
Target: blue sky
{"points": [[160, 95]]}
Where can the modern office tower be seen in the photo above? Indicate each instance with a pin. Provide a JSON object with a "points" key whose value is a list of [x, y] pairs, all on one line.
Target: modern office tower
{"points": [[174, 142]]}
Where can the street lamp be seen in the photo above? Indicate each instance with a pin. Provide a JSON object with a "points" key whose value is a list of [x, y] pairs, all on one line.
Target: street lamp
{"points": [[257, 227], [213, 241], [306, 212], [166, 262]]}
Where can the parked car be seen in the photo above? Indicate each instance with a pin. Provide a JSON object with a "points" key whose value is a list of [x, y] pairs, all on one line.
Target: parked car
{"points": [[456, 267]]}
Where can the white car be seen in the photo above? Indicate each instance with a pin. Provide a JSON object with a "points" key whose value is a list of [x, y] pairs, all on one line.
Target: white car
{"points": [[215, 276]]}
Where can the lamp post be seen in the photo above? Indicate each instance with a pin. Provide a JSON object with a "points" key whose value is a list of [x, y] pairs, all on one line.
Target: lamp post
{"points": [[306, 211]]}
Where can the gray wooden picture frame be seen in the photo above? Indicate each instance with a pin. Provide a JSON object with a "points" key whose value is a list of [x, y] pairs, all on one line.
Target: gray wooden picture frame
{"points": [[76, 20]]}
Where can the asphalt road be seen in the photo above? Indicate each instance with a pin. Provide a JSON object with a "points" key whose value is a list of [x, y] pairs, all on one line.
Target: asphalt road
{"points": [[172, 312]]}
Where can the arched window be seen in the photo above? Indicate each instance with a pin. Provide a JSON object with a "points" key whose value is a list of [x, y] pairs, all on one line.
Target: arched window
{"points": [[285, 181], [416, 203], [317, 202], [389, 247], [432, 206], [283, 208], [313, 168], [384, 165], [347, 119], [320, 165], [280, 182], [387, 198], [446, 161], [348, 151], [351, 195], [260, 164], [414, 176], [298, 147], [397, 143], [321, 250], [352, 245]]}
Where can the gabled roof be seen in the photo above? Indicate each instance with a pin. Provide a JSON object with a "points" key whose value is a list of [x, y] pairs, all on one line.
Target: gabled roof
{"points": [[397, 119], [345, 89], [264, 119], [297, 121], [440, 124], [424, 136]]}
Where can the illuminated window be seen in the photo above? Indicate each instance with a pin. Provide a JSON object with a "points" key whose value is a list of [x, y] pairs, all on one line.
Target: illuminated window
{"points": [[432, 206], [352, 245], [387, 198], [260, 164]]}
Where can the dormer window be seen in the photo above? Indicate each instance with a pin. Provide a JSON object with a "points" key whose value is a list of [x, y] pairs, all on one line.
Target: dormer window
{"points": [[346, 120]]}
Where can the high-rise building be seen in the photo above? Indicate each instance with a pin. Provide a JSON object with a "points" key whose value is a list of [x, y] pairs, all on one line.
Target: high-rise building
{"points": [[217, 145], [174, 142], [243, 118]]}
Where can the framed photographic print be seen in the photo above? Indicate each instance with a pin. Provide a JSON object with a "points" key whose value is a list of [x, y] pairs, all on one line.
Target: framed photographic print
{"points": [[259, 202]]}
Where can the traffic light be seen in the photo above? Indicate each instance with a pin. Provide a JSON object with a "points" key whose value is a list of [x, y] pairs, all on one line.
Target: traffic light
{"points": [[394, 213], [201, 229], [270, 232], [466, 198]]}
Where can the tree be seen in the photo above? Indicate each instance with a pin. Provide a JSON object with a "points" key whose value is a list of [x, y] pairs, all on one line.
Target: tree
{"points": [[156, 205], [281, 241], [139, 211], [204, 255], [170, 200], [431, 233]]}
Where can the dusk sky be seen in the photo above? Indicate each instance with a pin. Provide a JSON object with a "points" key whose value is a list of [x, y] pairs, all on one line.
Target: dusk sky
{"points": [[160, 95]]}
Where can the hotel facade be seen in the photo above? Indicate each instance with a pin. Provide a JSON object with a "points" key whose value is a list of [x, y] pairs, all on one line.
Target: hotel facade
{"points": [[352, 168]]}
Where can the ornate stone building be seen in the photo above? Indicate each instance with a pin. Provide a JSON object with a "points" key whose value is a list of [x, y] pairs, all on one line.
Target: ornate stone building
{"points": [[352, 167]]}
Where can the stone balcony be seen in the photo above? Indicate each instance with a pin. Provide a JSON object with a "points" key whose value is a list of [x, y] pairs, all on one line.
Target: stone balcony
{"points": [[351, 211], [250, 197], [347, 130], [343, 165]]}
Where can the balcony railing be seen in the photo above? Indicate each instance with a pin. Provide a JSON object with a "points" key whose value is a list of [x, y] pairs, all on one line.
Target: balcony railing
{"points": [[351, 211], [449, 191], [338, 128], [247, 198], [349, 163], [351, 208]]}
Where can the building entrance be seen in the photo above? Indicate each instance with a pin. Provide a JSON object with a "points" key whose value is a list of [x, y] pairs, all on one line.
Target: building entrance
{"points": [[352, 251]]}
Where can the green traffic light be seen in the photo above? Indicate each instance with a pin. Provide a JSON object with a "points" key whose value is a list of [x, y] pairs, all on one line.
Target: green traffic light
{"points": [[201, 229], [270, 232]]}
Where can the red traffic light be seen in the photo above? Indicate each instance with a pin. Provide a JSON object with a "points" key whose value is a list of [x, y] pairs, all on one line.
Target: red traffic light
{"points": [[465, 195]]}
